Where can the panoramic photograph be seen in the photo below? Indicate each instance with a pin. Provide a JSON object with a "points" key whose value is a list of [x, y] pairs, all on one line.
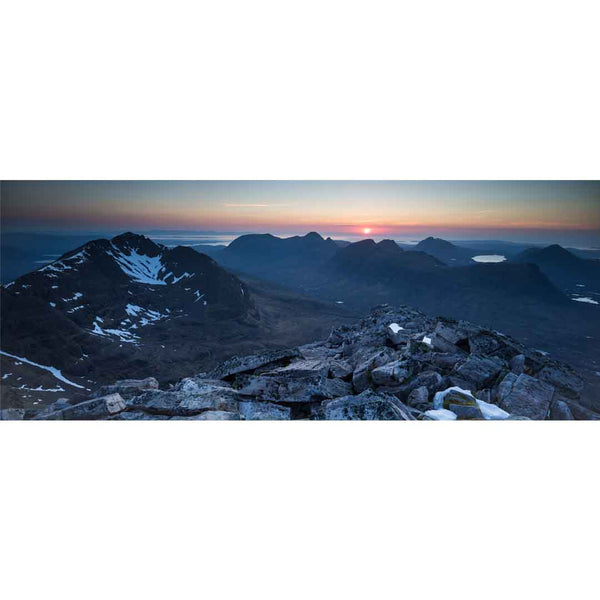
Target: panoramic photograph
{"points": [[300, 300]]}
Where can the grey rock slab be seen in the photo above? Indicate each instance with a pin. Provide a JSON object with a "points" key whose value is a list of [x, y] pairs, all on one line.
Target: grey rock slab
{"points": [[529, 397], [480, 370], [127, 387], [391, 373], [97, 408], [245, 364], [562, 378], [367, 406], [264, 411], [560, 411]]}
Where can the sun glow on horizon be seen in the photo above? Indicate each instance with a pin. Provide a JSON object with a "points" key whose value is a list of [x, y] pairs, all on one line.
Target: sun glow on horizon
{"points": [[367, 230]]}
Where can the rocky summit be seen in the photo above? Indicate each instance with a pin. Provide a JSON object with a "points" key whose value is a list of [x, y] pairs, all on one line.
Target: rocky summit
{"points": [[395, 364]]}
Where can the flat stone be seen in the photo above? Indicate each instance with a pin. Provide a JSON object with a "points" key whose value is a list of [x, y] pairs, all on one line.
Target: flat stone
{"points": [[127, 388], [391, 373], [529, 397], [97, 408], [367, 406], [560, 411], [480, 370], [267, 411], [464, 412]]}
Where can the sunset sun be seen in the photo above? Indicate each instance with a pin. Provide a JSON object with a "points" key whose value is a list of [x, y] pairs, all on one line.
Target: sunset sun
{"points": [[367, 230]]}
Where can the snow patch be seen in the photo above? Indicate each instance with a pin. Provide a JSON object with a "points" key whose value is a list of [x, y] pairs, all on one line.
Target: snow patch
{"points": [[586, 300], [491, 412], [52, 304], [52, 370], [396, 328], [140, 267], [440, 414], [426, 340]]}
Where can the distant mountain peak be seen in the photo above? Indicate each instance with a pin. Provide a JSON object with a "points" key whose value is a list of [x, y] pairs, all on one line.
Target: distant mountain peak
{"points": [[313, 235], [389, 245], [433, 242]]}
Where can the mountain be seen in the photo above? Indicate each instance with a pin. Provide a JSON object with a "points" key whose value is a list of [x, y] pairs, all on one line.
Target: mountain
{"points": [[383, 260], [445, 251], [394, 364], [128, 306], [284, 260], [564, 269]]}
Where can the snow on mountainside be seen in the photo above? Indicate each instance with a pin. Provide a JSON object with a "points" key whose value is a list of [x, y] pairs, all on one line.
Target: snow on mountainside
{"points": [[86, 306]]}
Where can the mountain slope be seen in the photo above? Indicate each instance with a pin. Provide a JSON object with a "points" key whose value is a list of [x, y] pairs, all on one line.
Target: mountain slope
{"points": [[445, 251], [563, 268], [394, 364], [127, 307]]}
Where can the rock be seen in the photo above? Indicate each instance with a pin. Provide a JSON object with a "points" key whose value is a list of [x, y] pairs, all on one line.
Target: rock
{"points": [[300, 391], [12, 414], [528, 397], [453, 395], [463, 411], [218, 415], [390, 373], [245, 364], [480, 370], [560, 411], [127, 388], [302, 368], [452, 333], [505, 386], [367, 406], [187, 399], [256, 411], [261, 387], [138, 415], [517, 364], [361, 378], [429, 379], [491, 412], [483, 343], [210, 415], [582, 413], [439, 414], [419, 398], [563, 378], [340, 368], [97, 408]]}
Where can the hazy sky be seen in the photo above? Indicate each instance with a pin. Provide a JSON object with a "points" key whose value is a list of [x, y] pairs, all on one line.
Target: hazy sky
{"points": [[483, 209]]}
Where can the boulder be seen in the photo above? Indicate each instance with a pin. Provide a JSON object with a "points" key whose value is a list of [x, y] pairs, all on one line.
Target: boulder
{"points": [[361, 378], [560, 411], [97, 408], [12, 414], [453, 395], [505, 386], [419, 398], [439, 414], [563, 378], [246, 364], [391, 373], [302, 368], [257, 411], [528, 397], [480, 370], [340, 368], [127, 388], [465, 412], [517, 364], [367, 406]]}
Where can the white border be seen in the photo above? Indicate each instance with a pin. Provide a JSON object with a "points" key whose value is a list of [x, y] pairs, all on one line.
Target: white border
{"points": [[265, 89]]}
